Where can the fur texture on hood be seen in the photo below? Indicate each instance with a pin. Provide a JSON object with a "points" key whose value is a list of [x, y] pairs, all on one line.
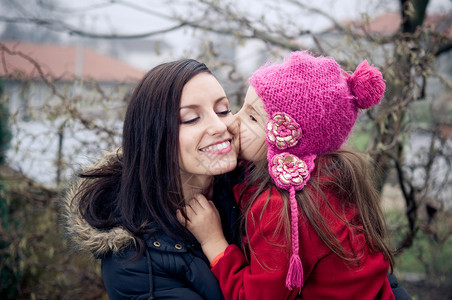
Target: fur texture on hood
{"points": [[83, 235]]}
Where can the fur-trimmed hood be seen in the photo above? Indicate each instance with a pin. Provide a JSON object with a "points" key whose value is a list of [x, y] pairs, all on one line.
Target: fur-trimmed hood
{"points": [[83, 235]]}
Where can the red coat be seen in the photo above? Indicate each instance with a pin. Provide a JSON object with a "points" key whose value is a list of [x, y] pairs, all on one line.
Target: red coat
{"points": [[326, 276]]}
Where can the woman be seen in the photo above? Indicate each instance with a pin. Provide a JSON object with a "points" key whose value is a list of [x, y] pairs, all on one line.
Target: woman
{"points": [[176, 137]]}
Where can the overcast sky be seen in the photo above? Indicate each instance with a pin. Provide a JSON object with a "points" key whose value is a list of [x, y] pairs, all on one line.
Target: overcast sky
{"points": [[120, 18], [141, 16]]}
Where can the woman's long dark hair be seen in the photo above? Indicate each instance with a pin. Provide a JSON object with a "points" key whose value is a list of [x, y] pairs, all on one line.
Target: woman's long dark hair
{"points": [[143, 185]]}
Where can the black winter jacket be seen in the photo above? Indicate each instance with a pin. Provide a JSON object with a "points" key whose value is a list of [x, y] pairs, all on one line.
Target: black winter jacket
{"points": [[169, 269], [179, 271]]}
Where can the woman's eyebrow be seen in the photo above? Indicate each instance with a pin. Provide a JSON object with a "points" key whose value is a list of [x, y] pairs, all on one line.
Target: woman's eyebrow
{"points": [[220, 99], [193, 106]]}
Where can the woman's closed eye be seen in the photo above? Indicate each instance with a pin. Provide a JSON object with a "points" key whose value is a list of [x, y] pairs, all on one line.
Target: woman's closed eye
{"points": [[224, 112], [252, 118], [190, 121], [195, 119]]}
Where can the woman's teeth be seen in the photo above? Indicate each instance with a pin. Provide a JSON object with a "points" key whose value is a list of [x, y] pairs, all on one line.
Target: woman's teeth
{"points": [[217, 147]]}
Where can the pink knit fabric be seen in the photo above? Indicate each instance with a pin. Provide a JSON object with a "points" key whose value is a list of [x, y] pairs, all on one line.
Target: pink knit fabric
{"points": [[312, 106]]}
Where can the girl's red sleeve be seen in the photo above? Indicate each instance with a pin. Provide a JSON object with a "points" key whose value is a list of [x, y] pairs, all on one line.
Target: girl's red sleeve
{"points": [[263, 277], [326, 276]]}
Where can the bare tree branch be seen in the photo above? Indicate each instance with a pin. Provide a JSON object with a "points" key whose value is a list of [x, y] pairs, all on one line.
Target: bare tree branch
{"points": [[336, 24], [63, 27]]}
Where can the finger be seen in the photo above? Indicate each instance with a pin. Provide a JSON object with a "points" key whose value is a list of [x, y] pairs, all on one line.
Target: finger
{"points": [[202, 201], [191, 208], [214, 208], [181, 218], [212, 205]]}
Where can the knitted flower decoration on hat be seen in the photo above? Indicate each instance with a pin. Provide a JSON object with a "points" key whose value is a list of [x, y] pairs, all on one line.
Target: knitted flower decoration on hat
{"points": [[312, 106]]}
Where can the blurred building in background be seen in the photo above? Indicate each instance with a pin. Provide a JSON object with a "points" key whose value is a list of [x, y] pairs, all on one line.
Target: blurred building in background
{"points": [[36, 74]]}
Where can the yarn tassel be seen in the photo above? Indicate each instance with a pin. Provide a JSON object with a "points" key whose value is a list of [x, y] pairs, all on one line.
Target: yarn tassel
{"points": [[294, 278]]}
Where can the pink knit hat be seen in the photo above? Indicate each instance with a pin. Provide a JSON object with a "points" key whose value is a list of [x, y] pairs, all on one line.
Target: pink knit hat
{"points": [[312, 106]]}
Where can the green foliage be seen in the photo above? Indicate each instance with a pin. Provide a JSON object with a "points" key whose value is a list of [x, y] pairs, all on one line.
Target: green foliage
{"points": [[429, 254], [8, 278], [360, 136], [5, 133], [36, 261]]}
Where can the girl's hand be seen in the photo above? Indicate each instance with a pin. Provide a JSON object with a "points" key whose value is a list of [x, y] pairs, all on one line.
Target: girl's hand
{"points": [[205, 224]]}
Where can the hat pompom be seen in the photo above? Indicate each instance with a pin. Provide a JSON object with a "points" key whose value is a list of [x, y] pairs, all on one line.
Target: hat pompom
{"points": [[367, 85]]}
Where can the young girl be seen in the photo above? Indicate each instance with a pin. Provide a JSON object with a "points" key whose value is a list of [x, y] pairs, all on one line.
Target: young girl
{"points": [[313, 227]]}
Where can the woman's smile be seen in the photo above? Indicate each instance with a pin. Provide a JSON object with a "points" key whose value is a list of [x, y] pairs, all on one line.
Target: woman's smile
{"points": [[222, 147]]}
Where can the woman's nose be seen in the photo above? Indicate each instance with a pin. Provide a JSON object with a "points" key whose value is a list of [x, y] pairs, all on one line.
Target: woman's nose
{"points": [[216, 125]]}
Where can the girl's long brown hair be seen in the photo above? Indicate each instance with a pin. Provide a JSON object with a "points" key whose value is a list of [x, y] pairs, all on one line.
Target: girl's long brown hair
{"points": [[349, 175]]}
